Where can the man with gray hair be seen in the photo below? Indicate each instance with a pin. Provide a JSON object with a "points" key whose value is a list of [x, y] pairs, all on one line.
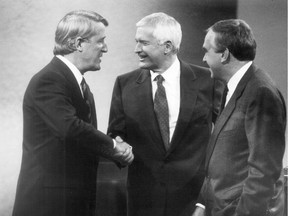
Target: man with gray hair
{"points": [[164, 110], [61, 143]]}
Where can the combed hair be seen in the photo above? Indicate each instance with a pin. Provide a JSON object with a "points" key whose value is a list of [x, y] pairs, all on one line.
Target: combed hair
{"points": [[80, 23], [166, 28], [237, 36]]}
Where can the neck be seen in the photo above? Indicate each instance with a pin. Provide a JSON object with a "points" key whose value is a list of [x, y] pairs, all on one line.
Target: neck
{"points": [[166, 64], [232, 68], [74, 60]]}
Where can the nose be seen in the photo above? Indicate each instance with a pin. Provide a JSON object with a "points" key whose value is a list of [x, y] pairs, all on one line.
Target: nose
{"points": [[105, 48], [204, 58], [138, 47]]}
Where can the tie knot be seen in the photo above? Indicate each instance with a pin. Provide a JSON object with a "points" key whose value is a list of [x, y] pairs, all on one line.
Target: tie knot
{"points": [[225, 90], [159, 79], [83, 82], [83, 86]]}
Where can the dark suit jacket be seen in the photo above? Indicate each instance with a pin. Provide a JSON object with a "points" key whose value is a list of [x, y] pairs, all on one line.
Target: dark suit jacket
{"points": [[244, 156], [163, 182], [60, 149]]}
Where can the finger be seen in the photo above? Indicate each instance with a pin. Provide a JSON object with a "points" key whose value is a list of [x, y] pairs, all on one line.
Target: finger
{"points": [[118, 139], [126, 152], [125, 157], [118, 155], [129, 158]]}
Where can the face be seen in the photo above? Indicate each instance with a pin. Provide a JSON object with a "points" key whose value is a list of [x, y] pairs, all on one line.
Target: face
{"points": [[151, 54], [93, 49], [211, 57]]}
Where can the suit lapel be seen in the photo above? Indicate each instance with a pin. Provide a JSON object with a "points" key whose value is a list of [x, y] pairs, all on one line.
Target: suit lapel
{"points": [[76, 92], [71, 80], [227, 112], [188, 96], [143, 90]]}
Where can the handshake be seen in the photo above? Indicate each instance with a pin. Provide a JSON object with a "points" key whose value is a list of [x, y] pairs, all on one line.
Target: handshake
{"points": [[123, 152]]}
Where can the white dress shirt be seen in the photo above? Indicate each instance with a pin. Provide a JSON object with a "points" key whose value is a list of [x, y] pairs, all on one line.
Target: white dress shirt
{"points": [[235, 79], [77, 74], [171, 84]]}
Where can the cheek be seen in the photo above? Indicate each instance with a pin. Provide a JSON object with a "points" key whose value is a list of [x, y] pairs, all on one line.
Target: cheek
{"points": [[212, 59], [96, 53]]}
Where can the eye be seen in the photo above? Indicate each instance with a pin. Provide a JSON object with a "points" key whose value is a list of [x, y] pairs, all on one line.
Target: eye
{"points": [[141, 42]]}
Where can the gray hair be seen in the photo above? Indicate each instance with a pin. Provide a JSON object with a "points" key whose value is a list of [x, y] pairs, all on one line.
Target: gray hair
{"points": [[79, 23], [166, 28]]}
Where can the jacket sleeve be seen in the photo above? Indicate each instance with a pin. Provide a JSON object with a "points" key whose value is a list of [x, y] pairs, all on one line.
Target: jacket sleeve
{"points": [[117, 125], [52, 101]]}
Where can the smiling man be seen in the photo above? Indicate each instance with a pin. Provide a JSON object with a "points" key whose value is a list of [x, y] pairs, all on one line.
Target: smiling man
{"points": [[61, 143], [245, 152], [163, 109]]}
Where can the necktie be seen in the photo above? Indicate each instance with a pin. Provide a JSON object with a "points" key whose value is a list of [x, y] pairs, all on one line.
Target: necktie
{"points": [[223, 99], [85, 90], [161, 110]]}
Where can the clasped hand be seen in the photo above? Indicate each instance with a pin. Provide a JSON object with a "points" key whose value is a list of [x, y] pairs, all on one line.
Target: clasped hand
{"points": [[123, 152]]}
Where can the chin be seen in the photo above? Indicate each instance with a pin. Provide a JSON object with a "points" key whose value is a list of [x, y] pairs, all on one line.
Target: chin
{"points": [[96, 68], [144, 66]]}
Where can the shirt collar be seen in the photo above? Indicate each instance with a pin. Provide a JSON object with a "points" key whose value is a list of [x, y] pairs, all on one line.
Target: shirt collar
{"points": [[171, 73], [235, 79], [72, 67]]}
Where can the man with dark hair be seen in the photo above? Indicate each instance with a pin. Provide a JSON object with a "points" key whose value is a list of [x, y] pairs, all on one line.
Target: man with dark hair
{"points": [[245, 152], [61, 144]]}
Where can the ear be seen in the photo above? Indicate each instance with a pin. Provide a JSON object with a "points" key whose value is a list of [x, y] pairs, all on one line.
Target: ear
{"points": [[168, 47], [78, 44], [225, 56]]}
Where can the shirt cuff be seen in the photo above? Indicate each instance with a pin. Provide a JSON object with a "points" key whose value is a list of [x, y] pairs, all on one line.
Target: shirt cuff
{"points": [[114, 143], [200, 205]]}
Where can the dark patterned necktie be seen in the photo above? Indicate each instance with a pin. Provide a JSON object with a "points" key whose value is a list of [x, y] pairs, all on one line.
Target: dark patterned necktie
{"points": [[223, 99], [85, 90], [162, 111]]}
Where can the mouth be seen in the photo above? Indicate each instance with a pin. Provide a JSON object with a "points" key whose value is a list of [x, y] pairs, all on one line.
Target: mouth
{"points": [[142, 57]]}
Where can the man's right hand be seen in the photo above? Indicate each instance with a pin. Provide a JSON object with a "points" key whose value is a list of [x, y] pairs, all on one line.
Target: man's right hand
{"points": [[123, 152]]}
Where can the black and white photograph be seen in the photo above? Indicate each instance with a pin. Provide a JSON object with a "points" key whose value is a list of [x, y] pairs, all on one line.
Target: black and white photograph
{"points": [[143, 108]]}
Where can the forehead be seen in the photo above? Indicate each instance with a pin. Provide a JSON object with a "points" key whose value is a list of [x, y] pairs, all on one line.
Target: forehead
{"points": [[144, 32], [99, 29], [209, 41]]}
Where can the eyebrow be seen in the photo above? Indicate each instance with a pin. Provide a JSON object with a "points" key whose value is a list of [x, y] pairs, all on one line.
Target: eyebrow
{"points": [[140, 40]]}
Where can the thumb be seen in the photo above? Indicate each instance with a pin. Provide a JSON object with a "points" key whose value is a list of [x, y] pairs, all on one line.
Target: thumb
{"points": [[119, 139]]}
